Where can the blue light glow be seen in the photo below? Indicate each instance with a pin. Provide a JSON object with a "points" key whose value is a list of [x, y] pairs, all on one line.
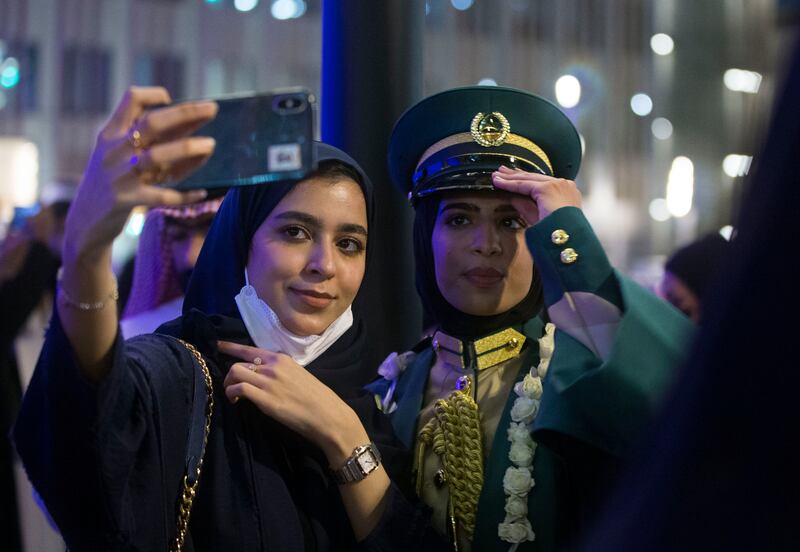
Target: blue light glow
{"points": [[245, 5], [288, 9], [9, 73], [135, 224], [462, 4]]}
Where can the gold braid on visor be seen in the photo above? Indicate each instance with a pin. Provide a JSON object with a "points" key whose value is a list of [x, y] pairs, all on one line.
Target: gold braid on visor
{"points": [[466, 137]]}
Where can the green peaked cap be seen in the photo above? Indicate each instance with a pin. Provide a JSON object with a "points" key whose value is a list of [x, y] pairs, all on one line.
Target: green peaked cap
{"points": [[455, 139]]}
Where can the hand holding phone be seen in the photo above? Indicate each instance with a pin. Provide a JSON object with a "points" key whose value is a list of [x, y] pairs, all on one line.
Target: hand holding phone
{"points": [[259, 138]]}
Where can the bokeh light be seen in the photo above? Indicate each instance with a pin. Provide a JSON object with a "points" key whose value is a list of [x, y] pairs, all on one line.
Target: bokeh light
{"points": [[662, 44], [736, 164], [661, 128], [9, 73], [740, 80], [680, 186], [726, 232], [641, 104], [658, 210], [462, 5], [288, 9], [245, 5], [568, 91]]}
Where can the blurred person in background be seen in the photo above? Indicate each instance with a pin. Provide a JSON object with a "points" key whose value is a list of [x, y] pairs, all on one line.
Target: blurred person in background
{"points": [[690, 270], [168, 249], [716, 470], [29, 260]]}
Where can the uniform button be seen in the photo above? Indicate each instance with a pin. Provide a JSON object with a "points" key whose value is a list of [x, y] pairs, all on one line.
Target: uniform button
{"points": [[569, 256], [439, 478], [559, 237], [512, 343], [435, 345]]}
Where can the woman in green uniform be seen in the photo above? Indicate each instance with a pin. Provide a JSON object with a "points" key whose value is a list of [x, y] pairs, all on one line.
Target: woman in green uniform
{"points": [[543, 361]]}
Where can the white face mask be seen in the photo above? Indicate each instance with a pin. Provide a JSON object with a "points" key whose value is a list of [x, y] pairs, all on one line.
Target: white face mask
{"points": [[268, 333]]}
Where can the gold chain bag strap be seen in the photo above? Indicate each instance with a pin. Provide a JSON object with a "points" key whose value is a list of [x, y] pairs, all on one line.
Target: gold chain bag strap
{"points": [[200, 425]]}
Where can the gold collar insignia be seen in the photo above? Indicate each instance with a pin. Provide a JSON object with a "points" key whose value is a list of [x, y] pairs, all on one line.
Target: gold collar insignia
{"points": [[487, 351]]}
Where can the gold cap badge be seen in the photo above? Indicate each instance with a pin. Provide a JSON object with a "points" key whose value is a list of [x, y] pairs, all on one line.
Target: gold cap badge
{"points": [[490, 130]]}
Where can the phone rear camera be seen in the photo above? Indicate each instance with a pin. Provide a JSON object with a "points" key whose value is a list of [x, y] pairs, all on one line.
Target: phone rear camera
{"points": [[285, 105]]}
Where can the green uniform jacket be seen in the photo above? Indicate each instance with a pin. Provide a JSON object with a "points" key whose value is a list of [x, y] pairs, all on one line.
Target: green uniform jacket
{"points": [[588, 404]]}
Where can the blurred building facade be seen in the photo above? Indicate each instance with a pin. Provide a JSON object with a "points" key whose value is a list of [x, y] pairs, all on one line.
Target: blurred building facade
{"points": [[76, 57]]}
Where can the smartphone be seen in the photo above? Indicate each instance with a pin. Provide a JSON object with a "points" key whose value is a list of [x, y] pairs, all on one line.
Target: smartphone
{"points": [[260, 138]]}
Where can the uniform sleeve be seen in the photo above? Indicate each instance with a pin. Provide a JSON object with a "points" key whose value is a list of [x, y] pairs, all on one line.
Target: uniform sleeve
{"points": [[580, 288], [616, 345], [97, 454]]}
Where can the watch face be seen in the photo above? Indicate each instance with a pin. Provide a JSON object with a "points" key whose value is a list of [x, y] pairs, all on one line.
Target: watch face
{"points": [[367, 462]]}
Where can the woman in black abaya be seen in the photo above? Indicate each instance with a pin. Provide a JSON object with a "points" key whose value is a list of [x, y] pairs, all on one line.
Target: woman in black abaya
{"points": [[103, 427]]}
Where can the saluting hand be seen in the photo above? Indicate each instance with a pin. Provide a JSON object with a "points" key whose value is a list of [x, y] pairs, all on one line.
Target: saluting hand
{"points": [[543, 194]]}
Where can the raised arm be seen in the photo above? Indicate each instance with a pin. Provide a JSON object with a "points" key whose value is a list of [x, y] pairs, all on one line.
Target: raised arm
{"points": [[587, 315], [138, 148], [617, 344]]}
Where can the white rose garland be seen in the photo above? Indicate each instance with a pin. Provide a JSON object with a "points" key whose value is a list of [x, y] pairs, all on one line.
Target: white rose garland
{"points": [[525, 409], [518, 479], [516, 531], [516, 507], [521, 454]]}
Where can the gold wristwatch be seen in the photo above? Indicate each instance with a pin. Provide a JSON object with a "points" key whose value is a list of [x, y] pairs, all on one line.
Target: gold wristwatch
{"points": [[363, 461]]}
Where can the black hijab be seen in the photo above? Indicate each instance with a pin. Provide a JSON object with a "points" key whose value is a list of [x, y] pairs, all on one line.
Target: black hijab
{"points": [[210, 314], [451, 320], [209, 309]]}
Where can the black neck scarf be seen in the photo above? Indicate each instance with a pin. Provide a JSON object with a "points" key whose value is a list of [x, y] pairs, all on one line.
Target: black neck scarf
{"points": [[451, 320], [209, 309]]}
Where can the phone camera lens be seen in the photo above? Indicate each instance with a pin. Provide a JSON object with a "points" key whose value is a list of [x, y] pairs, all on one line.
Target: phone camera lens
{"points": [[290, 104]]}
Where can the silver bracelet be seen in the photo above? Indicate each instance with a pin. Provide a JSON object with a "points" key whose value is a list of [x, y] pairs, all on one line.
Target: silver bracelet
{"points": [[68, 301]]}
